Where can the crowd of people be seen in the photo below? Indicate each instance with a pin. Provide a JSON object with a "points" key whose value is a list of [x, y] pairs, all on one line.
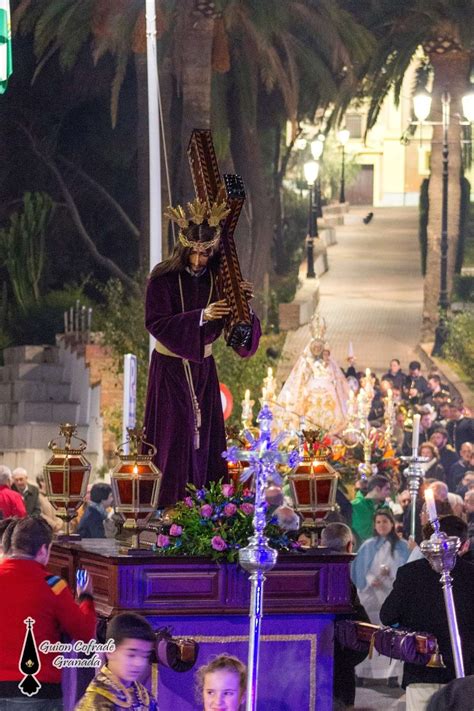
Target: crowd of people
{"points": [[395, 584], [391, 580]]}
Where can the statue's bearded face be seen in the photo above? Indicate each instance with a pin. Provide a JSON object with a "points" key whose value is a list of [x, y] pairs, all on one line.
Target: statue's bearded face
{"points": [[198, 259]]}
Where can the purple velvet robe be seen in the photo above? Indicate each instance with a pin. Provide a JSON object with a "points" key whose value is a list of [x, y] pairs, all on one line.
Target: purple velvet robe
{"points": [[169, 420]]}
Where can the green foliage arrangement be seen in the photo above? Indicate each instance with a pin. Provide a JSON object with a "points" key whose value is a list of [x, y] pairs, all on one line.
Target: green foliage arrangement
{"points": [[460, 343], [22, 247], [466, 227], [216, 523], [41, 321], [121, 320], [242, 373], [463, 288]]}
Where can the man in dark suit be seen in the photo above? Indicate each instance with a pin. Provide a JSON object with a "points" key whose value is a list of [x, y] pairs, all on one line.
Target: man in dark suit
{"points": [[92, 523], [447, 454], [337, 538], [30, 492], [416, 602], [458, 470], [415, 379], [460, 428]]}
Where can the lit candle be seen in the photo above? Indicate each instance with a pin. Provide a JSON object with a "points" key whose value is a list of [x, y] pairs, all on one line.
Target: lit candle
{"points": [[431, 505], [247, 396], [390, 393], [416, 433], [367, 373], [270, 373], [264, 394]]}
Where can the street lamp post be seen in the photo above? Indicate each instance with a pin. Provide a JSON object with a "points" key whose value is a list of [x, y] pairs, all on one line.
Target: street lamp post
{"points": [[422, 107], [311, 172], [317, 147], [343, 136]]}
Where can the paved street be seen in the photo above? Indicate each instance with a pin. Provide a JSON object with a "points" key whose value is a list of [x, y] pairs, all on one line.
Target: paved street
{"points": [[372, 293], [378, 697]]}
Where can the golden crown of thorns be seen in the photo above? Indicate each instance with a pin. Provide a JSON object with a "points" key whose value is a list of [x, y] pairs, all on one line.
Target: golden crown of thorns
{"points": [[198, 212]]}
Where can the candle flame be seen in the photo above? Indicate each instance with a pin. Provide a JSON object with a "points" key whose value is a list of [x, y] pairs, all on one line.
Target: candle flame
{"points": [[135, 469]]}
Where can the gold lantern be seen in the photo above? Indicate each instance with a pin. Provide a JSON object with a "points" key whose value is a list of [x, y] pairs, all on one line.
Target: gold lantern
{"points": [[136, 485], [66, 476], [313, 485]]}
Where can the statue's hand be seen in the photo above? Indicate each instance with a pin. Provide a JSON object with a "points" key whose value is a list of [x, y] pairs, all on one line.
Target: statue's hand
{"points": [[247, 288], [216, 310]]}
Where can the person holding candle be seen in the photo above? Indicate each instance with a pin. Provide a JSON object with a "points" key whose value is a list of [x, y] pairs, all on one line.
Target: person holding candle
{"points": [[373, 572], [416, 603]]}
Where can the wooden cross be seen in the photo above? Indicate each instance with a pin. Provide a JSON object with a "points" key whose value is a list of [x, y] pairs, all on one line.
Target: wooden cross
{"points": [[210, 187]]}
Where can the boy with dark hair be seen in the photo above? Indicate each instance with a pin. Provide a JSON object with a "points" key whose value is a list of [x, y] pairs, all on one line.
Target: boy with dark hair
{"points": [[364, 507], [30, 593], [92, 523], [117, 685]]}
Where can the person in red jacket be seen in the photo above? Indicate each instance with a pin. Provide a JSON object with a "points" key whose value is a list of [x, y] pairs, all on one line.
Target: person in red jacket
{"points": [[38, 608], [11, 502]]}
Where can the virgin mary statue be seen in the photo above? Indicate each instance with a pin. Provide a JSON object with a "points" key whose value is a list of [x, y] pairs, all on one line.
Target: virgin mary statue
{"points": [[316, 388]]}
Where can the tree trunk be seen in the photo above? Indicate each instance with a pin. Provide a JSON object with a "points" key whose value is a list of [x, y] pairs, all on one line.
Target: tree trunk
{"points": [[196, 53], [450, 73], [256, 243]]}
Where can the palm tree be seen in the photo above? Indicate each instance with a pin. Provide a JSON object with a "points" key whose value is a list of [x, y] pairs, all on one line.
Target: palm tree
{"points": [[220, 69], [445, 31]]}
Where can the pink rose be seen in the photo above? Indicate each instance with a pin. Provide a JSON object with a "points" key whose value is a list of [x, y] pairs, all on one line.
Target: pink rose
{"points": [[176, 530], [218, 543], [228, 490], [247, 508], [162, 541], [230, 509], [247, 492], [189, 502], [206, 510]]}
